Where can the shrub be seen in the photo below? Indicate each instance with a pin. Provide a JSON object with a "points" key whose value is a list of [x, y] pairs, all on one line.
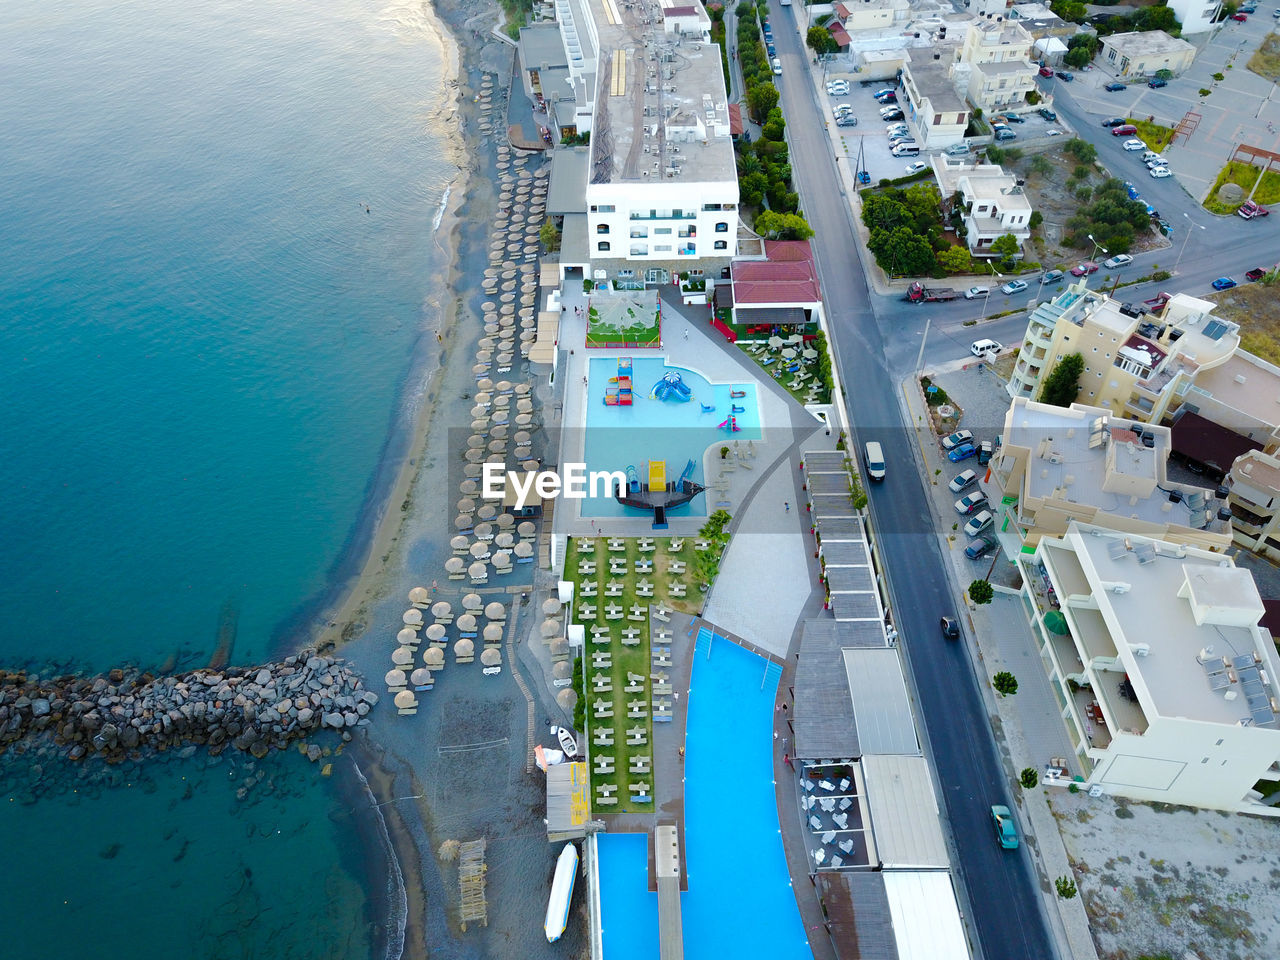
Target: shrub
{"points": [[981, 592], [1006, 683], [1066, 887], [1082, 150], [1029, 778]]}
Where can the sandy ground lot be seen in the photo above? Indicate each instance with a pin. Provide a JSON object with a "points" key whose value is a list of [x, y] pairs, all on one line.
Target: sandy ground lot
{"points": [[1257, 309], [1174, 882]]}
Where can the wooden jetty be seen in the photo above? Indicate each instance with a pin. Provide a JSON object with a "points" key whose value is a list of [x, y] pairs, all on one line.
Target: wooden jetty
{"points": [[471, 870]]}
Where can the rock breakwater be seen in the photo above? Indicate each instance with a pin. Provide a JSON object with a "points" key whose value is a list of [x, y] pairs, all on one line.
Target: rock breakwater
{"points": [[126, 715]]}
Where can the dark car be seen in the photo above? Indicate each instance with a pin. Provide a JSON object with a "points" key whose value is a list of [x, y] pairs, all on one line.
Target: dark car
{"points": [[1053, 276], [1010, 118], [1115, 87], [1065, 76], [1157, 82], [1257, 273], [980, 548], [986, 450], [1114, 122], [950, 628], [1047, 114]]}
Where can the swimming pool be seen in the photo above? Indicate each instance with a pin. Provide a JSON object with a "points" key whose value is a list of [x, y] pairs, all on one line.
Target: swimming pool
{"points": [[740, 902], [652, 429]]}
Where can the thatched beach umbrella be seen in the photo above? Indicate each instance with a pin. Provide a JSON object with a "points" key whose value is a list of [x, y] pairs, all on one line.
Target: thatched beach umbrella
{"points": [[562, 670], [433, 658], [459, 544], [466, 505], [475, 456], [523, 389], [487, 511], [479, 413], [420, 677], [472, 602], [471, 470], [480, 369], [503, 417], [464, 648], [495, 611], [406, 699], [468, 488], [435, 633], [523, 549], [550, 628], [412, 618], [523, 420], [567, 698], [394, 678], [454, 565], [407, 635], [442, 609], [522, 437], [478, 570], [506, 521], [467, 623], [502, 560], [524, 406], [559, 647], [402, 656], [480, 551], [492, 633], [491, 657], [419, 596], [527, 529], [552, 606], [504, 541], [484, 531], [475, 441]]}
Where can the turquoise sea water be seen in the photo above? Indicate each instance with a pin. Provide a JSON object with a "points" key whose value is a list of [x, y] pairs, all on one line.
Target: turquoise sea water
{"points": [[216, 275]]}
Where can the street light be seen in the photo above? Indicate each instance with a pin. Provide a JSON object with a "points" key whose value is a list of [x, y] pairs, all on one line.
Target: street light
{"points": [[987, 299], [1096, 247], [1191, 223]]}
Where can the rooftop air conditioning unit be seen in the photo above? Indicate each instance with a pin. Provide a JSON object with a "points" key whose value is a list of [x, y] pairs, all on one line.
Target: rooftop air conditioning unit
{"points": [[1121, 587], [1141, 649], [1055, 458]]}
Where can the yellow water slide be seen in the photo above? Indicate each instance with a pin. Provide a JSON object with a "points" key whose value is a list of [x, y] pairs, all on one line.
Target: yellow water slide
{"points": [[657, 475]]}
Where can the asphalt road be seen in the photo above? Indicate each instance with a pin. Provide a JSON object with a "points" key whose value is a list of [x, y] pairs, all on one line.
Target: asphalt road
{"points": [[1003, 894]]}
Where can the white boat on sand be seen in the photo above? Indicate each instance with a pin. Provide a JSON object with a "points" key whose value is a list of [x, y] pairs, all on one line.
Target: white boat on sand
{"points": [[561, 893], [567, 742]]}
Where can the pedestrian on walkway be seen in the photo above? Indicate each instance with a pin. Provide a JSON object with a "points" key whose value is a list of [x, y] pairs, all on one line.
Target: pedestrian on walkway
{"points": [[686, 333], [787, 505]]}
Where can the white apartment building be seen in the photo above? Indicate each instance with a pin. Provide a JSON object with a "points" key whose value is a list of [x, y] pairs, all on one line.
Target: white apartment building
{"points": [[1165, 681], [996, 55], [1196, 16], [993, 204], [1254, 499], [931, 102]]}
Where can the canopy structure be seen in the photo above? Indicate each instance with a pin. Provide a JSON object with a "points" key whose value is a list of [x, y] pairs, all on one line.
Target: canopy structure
{"points": [[490, 657], [419, 595]]}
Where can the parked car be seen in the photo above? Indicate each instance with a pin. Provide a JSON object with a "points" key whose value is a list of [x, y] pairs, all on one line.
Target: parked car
{"points": [[957, 438], [1006, 829], [979, 523], [885, 92], [962, 452], [1064, 75], [1257, 273], [838, 87], [1046, 71], [1014, 286], [777, 67], [1156, 82], [847, 120], [1124, 130], [973, 293], [1250, 209], [1160, 173], [961, 480], [1149, 155], [1114, 122], [1134, 145], [1115, 87], [1156, 161], [1240, 17], [950, 628], [980, 548], [864, 177], [1011, 118], [986, 450], [1053, 132], [1004, 133], [985, 348], [1119, 260], [1047, 114], [908, 149], [960, 149], [973, 501], [840, 109], [892, 115], [1223, 283], [1053, 276], [1084, 269], [915, 167], [773, 51]]}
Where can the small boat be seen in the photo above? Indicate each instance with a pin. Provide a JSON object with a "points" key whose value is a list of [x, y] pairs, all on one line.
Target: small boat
{"points": [[547, 757], [561, 893], [567, 743]]}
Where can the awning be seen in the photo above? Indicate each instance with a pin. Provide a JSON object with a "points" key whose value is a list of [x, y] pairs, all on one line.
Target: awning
{"points": [[839, 34]]}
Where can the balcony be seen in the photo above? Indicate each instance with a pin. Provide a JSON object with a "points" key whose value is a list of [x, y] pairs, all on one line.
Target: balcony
{"points": [[665, 215]]}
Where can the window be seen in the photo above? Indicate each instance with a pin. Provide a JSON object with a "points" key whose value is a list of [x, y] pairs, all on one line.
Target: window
{"points": [[639, 233], [937, 119], [639, 250], [722, 245], [602, 228], [603, 208], [662, 231], [603, 246], [722, 228], [662, 248]]}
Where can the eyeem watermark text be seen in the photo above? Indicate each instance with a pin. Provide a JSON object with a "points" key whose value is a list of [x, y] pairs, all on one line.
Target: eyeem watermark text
{"points": [[572, 483]]}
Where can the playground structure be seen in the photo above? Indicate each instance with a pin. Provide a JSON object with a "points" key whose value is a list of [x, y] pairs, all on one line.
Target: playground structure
{"points": [[731, 425], [659, 494], [620, 394], [671, 387]]}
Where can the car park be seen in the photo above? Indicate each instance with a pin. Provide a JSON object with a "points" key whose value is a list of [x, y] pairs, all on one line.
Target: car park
{"points": [[981, 547], [1046, 71], [1006, 829], [980, 522], [962, 452], [1223, 283], [961, 480], [916, 167], [1119, 260], [957, 438], [1014, 286], [1160, 173], [1053, 276], [1114, 122], [950, 628], [1257, 273], [1115, 87], [1156, 82], [973, 501], [973, 293], [985, 348], [1084, 269], [1047, 114], [1064, 75]]}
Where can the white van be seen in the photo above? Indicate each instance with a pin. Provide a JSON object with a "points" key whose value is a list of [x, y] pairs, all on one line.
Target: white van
{"points": [[874, 458], [906, 150]]}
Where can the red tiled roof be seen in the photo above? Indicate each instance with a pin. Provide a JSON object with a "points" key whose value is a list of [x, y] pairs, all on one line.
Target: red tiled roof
{"points": [[839, 34], [842, 11], [787, 276], [735, 120]]}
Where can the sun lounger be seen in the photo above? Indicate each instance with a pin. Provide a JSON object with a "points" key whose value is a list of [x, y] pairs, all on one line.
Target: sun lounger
{"points": [[662, 614], [828, 836], [662, 689], [826, 785], [604, 766], [586, 567], [613, 588], [616, 545], [640, 787], [603, 737], [675, 545], [662, 662], [606, 801], [589, 589], [644, 566], [702, 544], [677, 590], [846, 846], [407, 711], [644, 589], [815, 824], [646, 546], [587, 611], [633, 688]]}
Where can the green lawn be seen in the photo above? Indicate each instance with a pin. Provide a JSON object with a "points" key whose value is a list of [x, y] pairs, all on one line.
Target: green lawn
{"points": [[788, 379], [1246, 176], [1154, 135]]}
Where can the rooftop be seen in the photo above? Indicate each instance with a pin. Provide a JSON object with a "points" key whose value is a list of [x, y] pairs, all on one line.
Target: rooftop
{"points": [[1246, 383], [1032, 11], [542, 46], [567, 189], [1004, 68], [1258, 470], [979, 181], [1145, 43], [788, 276], [661, 113], [1088, 456], [932, 79], [1001, 32], [1185, 622]]}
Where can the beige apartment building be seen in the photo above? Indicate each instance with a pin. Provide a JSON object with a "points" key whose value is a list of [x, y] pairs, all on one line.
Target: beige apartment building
{"points": [[997, 55], [1254, 499]]}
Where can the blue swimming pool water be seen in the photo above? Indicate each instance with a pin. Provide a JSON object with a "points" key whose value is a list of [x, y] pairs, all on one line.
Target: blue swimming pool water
{"points": [[652, 429], [740, 902]]}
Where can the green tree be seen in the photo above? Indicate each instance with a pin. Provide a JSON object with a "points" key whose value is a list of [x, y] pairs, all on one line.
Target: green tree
{"points": [[1082, 150], [1069, 10], [748, 162], [955, 260], [782, 226], [549, 236], [1035, 219], [1164, 75], [1087, 40], [773, 129], [1066, 887], [981, 592], [922, 202], [1005, 246], [1029, 778], [1041, 166], [883, 211], [820, 41], [751, 189], [762, 98], [1062, 386], [1078, 58], [902, 252], [1006, 683]]}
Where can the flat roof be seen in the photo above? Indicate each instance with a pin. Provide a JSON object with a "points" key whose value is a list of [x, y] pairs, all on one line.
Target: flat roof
{"points": [[933, 81], [1140, 43], [1245, 382], [541, 45], [1167, 587], [567, 806], [1257, 470], [822, 718], [926, 917], [1207, 442], [904, 812], [567, 189], [881, 709], [857, 914]]}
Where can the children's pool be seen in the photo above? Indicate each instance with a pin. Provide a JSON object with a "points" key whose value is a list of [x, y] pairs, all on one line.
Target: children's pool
{"points": [[652, 429], [740, 902]]}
